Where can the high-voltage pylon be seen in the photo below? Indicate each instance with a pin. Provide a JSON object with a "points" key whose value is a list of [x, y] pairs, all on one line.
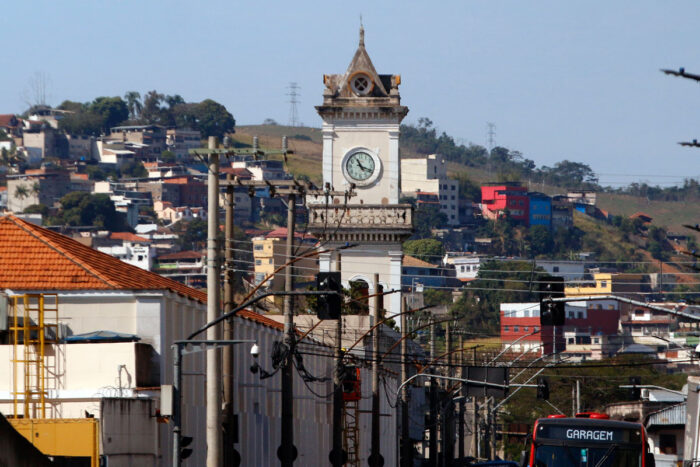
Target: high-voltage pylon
{"points": [[293, 93]]}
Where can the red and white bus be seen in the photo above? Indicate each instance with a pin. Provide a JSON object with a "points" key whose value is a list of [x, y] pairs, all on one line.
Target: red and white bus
{"points": [[588, 440]]}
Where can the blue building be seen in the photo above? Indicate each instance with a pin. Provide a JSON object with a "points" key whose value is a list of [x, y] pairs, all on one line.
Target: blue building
{"points": [[540, 209]]}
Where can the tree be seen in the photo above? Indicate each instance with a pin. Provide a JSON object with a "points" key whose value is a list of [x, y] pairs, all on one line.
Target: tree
{"points": [[134, 169], [540, 240], [133, 103], [80, 208], [167, 156], [37, 209], [21, 192], [152, 112], [195, 234], [426, 249], [37, 91], [213, 119], [113, 111]]}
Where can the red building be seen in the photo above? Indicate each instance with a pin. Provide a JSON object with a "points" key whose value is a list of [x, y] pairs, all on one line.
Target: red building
{"points": [[520, 323], [511, 196]]}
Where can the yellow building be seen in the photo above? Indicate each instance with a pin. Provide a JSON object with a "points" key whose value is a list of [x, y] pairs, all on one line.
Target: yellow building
{"points": [[606, 283], [269, 254]]}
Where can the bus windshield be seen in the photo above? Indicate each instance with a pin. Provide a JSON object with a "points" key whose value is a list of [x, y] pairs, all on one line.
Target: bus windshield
{"points": [[598, 456]]}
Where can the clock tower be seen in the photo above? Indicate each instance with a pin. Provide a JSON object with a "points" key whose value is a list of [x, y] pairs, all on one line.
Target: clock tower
{"points": [[361, 115]]}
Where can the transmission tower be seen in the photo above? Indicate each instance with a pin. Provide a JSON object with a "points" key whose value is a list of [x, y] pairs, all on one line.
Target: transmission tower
{"points": [[293, 93], [491, 136]]}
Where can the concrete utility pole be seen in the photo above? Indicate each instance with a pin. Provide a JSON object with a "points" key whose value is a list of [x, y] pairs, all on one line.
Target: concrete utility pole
{"points": [[337, 456], [448, 416], [475, 418], [406, 449], [213, 383], [287, 452], [432, 419], [463, 394], [231, 456], [375, 457]]}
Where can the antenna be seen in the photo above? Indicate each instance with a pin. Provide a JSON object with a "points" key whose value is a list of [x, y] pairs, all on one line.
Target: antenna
{"points": [[293, 93]]}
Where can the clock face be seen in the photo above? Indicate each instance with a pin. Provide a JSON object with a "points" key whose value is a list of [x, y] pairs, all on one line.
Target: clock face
{"points": [[360, 166]]}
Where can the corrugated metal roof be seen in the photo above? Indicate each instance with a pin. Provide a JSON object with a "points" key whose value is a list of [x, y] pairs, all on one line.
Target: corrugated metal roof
{"points": [[674, 415]]}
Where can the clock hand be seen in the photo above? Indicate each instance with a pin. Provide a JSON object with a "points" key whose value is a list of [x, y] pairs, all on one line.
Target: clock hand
{"points": [[364, 169]]}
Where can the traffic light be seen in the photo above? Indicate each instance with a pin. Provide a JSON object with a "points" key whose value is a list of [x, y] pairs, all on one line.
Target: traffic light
{"points": [[552, 313], [635, 393], [542, 388], [328, 306], [185, 452]]}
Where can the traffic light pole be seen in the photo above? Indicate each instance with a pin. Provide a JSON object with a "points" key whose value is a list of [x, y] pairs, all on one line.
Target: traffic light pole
{"points": [[231, 456], [375, 457], [337, 455]]}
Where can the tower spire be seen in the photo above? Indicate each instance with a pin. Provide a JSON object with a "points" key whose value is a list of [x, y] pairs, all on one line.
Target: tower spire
{"points": [[362, 33]]}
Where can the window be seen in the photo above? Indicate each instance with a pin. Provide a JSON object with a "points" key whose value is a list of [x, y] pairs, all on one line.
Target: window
{"points": [[596, 340], [453, 188], [526, 329], [258, 247], [555, 269], [535, 328], [506, 328], [579, 315], [463, 268], [516, 328], [258, 262]]}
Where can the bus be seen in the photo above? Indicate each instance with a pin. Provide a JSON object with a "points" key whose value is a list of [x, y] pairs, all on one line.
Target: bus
{"points": [[588, 440]]}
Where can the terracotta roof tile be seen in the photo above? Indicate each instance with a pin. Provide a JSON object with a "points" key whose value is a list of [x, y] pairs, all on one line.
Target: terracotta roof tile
{"points": [[128, 236], [34, 258], [411, 262]]}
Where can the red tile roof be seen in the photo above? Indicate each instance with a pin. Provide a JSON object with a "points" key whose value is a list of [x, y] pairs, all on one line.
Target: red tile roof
{"points": [[281, 232], [411, 262], [182, 255], [34, 258], [128, 236]]}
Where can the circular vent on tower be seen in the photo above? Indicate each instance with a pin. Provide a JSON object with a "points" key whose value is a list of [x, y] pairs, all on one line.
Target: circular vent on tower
{"points": [[361, 84]]}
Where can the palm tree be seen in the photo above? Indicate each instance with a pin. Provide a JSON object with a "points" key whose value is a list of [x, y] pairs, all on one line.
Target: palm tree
{"points": [[21, 192], [133, 103], [36, 188]]}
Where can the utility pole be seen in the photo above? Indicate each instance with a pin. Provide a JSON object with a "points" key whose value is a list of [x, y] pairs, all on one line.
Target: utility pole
{"points": [[375, 457], [337, 455], [406, 450], [213, 383], [448, 441], [463, 394], [287, 452], [231, 456], [475, 417], [578, 396], [433, 420], [489, 428]]}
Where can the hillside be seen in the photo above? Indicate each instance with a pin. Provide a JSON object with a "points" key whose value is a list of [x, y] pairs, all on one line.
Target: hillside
{"points": [[306, 162]]}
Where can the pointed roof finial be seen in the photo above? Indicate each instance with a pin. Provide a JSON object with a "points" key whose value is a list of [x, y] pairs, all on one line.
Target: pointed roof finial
{"points": [[362, 33]]}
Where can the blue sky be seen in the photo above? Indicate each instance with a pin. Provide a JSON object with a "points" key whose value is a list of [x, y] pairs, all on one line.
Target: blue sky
{"points": [[560, 79]]}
